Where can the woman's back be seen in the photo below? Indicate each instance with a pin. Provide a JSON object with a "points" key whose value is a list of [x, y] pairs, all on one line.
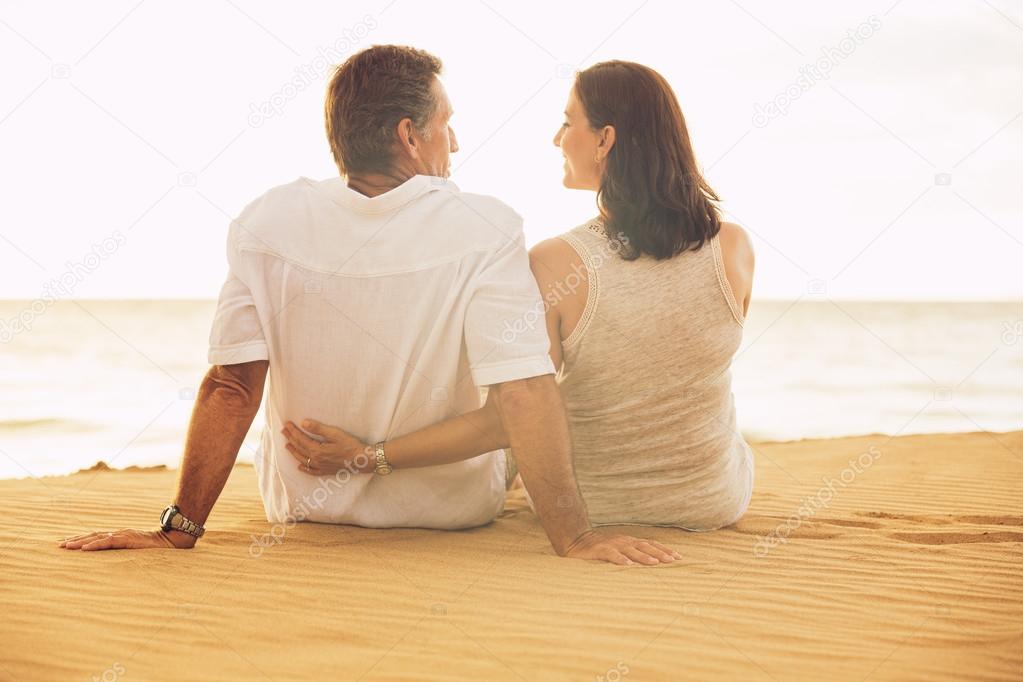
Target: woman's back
{"points": [[646, 382]]}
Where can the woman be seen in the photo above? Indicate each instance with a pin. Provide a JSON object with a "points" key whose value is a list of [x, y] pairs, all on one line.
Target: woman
{"points": [[644, 308]]}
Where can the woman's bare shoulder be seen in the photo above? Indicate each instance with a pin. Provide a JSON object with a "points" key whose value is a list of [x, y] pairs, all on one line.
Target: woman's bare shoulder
{"points": [[736, 247], [738, 259], [561, 277], [553, 259]]}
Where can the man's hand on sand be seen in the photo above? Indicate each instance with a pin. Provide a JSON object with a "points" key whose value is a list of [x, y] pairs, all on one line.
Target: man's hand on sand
{"points": [[128, 538], [623, 550]]}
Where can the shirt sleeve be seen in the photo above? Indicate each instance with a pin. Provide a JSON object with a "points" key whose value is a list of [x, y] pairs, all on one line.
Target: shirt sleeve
{"points": [[505, 327], [237, 333]]}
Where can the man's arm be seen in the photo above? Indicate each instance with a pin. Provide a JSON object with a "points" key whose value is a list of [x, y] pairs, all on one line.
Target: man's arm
{"points": [[228, 400], [534, 418], [225, 407]]}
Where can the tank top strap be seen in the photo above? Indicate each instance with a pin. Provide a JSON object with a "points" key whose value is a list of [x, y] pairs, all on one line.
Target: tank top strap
{"points": [[723, 284], [594, 248], [589, 239]]}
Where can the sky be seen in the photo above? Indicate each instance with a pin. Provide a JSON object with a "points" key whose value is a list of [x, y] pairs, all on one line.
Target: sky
{"points": [[873, 150]]}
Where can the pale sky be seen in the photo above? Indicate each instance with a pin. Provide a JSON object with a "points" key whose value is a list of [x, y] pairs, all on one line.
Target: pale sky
{"points": [[896, 177]]}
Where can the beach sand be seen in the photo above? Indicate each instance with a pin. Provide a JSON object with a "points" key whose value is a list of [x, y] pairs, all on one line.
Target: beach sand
{"points": [[905, 565]]}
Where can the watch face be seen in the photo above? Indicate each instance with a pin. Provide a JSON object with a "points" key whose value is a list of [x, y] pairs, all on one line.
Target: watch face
{"points": [[165, 518]]}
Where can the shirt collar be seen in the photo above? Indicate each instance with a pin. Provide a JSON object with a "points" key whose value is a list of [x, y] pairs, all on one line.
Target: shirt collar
{"points": [[391, 200]]}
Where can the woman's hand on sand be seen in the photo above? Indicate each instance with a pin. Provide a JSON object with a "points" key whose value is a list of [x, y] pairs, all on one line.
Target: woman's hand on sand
{"points": [[623, 550], [128, 538], [336, 450]]}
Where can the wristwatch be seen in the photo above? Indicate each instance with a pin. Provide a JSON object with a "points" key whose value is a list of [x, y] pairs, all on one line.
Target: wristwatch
{"points": [[173, 519], [383, 467]]}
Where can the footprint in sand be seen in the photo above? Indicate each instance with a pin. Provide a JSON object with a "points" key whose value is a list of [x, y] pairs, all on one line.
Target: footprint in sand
{"points": [[815, 528], [948, 519], [957, 538]]}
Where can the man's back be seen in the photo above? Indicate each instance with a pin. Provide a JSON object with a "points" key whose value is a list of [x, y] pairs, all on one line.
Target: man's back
{"points": [[384, 314]]}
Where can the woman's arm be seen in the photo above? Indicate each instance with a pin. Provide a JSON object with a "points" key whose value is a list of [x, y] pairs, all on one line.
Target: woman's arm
{"points": [[452, 440]]}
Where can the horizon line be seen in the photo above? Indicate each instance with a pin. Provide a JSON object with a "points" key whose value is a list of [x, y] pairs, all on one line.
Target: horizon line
{"points": [[809, 298]]}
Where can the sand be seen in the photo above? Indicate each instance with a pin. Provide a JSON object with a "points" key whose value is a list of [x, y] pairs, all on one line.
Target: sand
{"points": [[906, 566]]}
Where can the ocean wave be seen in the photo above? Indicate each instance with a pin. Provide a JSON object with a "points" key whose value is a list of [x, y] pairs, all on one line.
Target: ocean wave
{"points": [[49, 423]]}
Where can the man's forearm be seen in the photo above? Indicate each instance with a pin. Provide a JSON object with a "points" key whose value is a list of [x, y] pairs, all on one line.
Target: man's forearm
{"points": [[534, 419], [224, 409]]}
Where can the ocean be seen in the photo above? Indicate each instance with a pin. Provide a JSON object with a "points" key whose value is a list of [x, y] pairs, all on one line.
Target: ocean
{"points": [[85, 381]]}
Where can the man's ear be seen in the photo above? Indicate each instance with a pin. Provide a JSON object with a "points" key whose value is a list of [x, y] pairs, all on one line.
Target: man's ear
{"points": [[606, 142], [407, 138]]}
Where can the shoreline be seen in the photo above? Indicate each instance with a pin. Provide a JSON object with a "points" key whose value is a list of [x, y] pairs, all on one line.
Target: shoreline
{"points": [[101, 465]]}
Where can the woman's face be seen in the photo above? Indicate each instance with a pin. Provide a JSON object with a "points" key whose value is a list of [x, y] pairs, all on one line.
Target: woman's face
{"points": [[579, 144]]}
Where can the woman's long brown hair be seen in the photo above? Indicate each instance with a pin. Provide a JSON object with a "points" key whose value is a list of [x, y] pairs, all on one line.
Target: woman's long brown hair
{"points": [[651, 192]]}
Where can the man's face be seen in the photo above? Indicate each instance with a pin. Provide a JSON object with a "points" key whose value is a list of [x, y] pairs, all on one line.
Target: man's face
{"points": [[435, 152]]}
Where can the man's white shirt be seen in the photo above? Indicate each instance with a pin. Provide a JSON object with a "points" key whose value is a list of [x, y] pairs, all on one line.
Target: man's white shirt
{"points": [[380, 315]]}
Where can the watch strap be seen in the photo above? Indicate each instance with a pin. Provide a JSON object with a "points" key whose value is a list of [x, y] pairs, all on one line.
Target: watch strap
{"points": [[383, 467], [178, 521]]}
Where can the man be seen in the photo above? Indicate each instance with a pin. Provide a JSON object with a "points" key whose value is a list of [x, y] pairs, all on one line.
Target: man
{"points": [[378, 300]]}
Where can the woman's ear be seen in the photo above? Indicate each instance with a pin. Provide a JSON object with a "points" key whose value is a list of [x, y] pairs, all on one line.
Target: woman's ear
{"points": [[606, 142]]}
